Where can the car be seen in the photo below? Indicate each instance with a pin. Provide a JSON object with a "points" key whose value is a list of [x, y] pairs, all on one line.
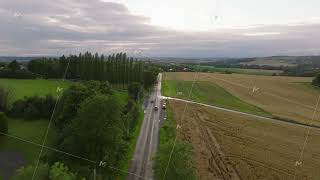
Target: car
{"points": [[156, 108], [164, 106]]}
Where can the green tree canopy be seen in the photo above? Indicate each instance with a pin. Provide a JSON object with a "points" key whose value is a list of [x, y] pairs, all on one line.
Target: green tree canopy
{"points": [[135, 90], [3, 123], [316, 80], [96, 131], [14, 66]]}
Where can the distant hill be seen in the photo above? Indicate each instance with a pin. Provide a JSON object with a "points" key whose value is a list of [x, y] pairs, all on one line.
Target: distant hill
{"points": [[11, 58], [18, 58], [288, 61]]}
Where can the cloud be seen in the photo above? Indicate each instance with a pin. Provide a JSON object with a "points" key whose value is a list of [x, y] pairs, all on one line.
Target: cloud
{"points": [[71, 26], [262, 34]]}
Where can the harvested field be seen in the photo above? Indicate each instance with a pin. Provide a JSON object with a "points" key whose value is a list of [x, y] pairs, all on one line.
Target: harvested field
{"points": [[284, 97], [233, 146]]}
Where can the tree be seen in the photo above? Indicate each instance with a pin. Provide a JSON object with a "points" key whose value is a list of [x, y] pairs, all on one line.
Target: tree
{"points": [[3, 123], [6, 95], [69, 103], [26, 172], [316, 80], [14, 66], [59, 171], [150, 78], [96, 132], [135, 90]]}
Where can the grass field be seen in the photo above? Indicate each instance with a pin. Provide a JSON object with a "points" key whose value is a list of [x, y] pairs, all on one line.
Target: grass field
{"points": [[32, 87], [33, 131], [245, 147], [208, 93], [289, 98]]}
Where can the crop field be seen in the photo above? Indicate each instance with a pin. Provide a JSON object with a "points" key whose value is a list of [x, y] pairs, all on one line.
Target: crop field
{"points": [[208, 93], [289, 98], [30, 87], [233, 146]]}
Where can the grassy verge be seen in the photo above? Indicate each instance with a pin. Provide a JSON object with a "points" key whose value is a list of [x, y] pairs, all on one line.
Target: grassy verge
{"points": [[181, 165], [124, 164], [209, 93], [31, 87]]}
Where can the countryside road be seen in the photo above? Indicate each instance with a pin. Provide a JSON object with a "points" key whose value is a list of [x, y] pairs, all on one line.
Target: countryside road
{"points": [[243, 113], [146, 146]]}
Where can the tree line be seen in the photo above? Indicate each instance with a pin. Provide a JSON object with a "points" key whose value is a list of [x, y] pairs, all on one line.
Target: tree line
{"points": [[116, 68]]}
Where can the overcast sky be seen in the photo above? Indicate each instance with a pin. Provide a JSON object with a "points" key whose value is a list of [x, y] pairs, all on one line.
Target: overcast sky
{"points": [[176, 28]]}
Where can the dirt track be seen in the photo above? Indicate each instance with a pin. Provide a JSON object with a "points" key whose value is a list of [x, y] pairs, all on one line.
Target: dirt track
{"points": [[231, 146]]}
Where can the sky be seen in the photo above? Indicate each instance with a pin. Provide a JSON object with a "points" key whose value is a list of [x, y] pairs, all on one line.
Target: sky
{"points": [[170, 28]]}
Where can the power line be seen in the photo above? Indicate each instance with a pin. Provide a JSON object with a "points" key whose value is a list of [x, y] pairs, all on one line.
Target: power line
{"points": [[299, 162], [181, 119], [49, 125]]}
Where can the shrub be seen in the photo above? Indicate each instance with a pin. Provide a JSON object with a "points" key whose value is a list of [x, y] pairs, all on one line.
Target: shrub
{"points": [[33, 107], [316, 80], [59, 171], [3, 123], [26, 172], [19, 74], [5, 98], [31, 112], [18, 108]]}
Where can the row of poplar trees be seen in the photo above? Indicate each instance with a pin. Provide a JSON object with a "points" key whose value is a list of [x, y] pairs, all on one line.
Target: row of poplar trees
{"points": [[116, 68]]}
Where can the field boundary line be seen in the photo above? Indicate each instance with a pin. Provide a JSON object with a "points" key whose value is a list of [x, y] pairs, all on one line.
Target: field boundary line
{"points": [[182, 116], [306, 140]]}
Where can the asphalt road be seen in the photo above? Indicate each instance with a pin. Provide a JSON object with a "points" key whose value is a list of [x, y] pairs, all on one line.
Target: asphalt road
{"points": [[147, 143]]}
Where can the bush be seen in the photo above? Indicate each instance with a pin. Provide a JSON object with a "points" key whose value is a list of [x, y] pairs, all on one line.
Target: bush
{"points": [[3, 123], [5, 98], [33, 107], [18, 108], [19, 74], [58, 171], [25, 173], [316, 80], [31, 112]]}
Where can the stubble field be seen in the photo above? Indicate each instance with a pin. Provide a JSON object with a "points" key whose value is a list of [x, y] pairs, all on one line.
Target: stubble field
{"points": [[233, 146]]}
